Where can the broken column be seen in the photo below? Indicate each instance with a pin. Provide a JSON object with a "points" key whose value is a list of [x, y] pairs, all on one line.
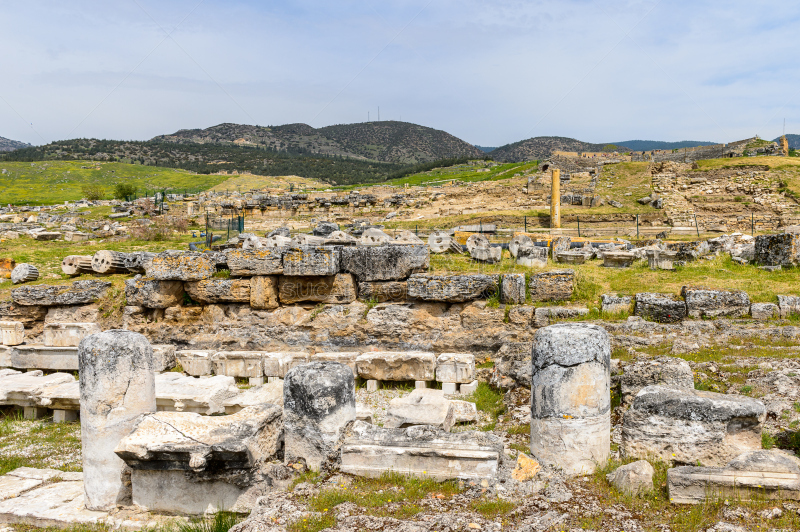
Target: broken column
{"points": [[570, 397], [117, 385], [319, 400], [555, 200]]}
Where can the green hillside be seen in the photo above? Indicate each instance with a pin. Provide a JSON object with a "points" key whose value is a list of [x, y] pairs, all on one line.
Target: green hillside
{"points": [[39, 183]]}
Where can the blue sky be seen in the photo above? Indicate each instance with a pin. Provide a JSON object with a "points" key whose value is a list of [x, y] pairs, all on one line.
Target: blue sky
{"points": [[488, 71]]}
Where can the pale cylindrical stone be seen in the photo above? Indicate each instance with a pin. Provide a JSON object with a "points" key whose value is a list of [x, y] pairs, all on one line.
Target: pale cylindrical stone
{"points": [[117, 383], [107, 261], [24, 273], [571, 397], [555, 200], [76, 264], [319, 400]]}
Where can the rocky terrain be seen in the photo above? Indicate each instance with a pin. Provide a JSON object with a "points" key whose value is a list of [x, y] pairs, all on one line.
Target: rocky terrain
{"points": [[11, 145], [542, 147]]}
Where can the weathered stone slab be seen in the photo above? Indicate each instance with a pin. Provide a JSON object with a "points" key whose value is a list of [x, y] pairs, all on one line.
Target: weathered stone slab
{"points": [[754, 475], [618, 259], [778, 250], [571, 257], [423, 406], [25, 314], [252, 262], [396, 366], [666, 371], [149, 293], [455, 367], [24, 273], [24, 389], [11, 486], [703, 303], [163, 357], [180, 266], [136, 261], [238, 363], [195, 362], [788, 305], [421, 451], [374, 237], [544, 316], [12, 332], [42, 357], [439, 242], [278, 364], [689, 251], [264, 293], [661, 260], [532, 256], [67, 334], [117, 385], [219, 290], [311, 260], [384, 263], [452, 288], [513, 288], [517, 241], [331, 289], [319, 400], [570, 397], [555, 285], [663, 308], [383, 291], [77, 293], [269, 393], [686, 426], [178, 393], [55, 505], [764, 311], [559, 244], [614, 304], [464, 411], [348, 358]]}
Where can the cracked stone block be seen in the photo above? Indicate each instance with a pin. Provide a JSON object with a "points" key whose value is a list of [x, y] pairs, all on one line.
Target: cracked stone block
{"points": [[43, 357], [270, 393], [788, 305], [685, 426], [452, 288], [279, 363], [618, 259], [703, 303], [238, 363], [311, 261], [531, 256], [421, 451], [764, 311], [423, 406], [255, 262], [614, 304], [319, 400], [148, 293], [544, 316], [385, 263], [666, 371], [219, 290], [555, 285], [777, 250], [12, 332], [570, 397], [663, 308], [207, 395], [332, 289], [513, 288], [117, 385], [181, 266], [78, 293], [195, 362], [751, 476], [396, 366]]}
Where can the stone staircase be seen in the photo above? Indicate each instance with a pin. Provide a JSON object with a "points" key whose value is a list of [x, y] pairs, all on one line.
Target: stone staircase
{"points": [[680, 212]]}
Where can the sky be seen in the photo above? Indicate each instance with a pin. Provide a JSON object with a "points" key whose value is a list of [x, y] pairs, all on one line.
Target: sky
{"points": [[490, 72]]}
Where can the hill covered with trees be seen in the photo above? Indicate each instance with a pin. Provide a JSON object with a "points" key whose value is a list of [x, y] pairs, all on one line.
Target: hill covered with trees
{"points": [[542, 147]]}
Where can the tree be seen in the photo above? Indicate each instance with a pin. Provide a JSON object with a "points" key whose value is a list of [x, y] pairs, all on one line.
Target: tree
{"points": [[124, 190], [93, 192]]}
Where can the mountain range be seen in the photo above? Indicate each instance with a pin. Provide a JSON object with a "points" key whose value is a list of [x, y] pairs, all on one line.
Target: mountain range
{"points": [[11, 145]]}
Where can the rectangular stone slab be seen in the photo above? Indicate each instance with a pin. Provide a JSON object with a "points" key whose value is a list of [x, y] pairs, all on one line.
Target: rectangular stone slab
{"points": [[311, 260], [396, 366], [11, 486], [44, 357], [55, 505], [279, 363], [24, 389], [171, 491], [178, 393], [348, 358], [692, 485], [238, 363], [13, 332], [420, 451], [455, 367], [251, 262], [67, 334], [195, 362]]}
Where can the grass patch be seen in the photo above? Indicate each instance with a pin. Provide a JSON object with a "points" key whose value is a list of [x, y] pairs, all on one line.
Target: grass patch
{"points": [[492, 508], [312, 523], [219, 522], [488, 399]]}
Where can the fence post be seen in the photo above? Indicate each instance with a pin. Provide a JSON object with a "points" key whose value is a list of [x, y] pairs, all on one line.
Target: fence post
{"points": [[637, 226], [752, 225], [526, 224], [579, 225], [697, 227]]}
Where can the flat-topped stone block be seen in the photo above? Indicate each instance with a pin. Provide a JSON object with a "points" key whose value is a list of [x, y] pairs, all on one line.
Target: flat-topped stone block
{"points": [[348, 358], [277, 364], [571, 257], [77, 293], [383, 291], [532, 256], [788, 305], [311, 260], [704, 303], [663, 308], [397, 366], [778, 250], [555, 285], [339, 289], [385, 263], [203, 395], [219, 290], [544, 316], [452, 288], [421, 451], [455, 367], [685, 426], [661, 260], [253, 262], [614, 304], [754, 475], [35, 356], [67, 334], [270, 393], [55, 505], [196, 362], [180, 266], [25, 389], [618, 259], [12, 332], [149, 293], [666, 371], [238, 363], [423, 406]]}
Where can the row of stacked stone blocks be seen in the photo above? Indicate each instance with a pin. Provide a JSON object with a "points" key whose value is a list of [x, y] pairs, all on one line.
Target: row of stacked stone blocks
{"points": [[450, 369]]}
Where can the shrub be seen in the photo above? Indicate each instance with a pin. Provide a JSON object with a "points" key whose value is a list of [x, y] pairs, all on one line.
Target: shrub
{"points": [[93, 192], [123, 190], [161, 228]]}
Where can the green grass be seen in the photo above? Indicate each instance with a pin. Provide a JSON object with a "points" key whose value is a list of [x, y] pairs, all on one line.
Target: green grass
{"points": [[492, 508], [312, 523], [53, 182], [219, 522], [39, 444], [462, 172], [489, 400]]}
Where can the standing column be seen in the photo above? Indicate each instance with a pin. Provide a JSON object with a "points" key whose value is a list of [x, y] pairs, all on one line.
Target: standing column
{"points": [[555, 200], [117, 385], [571, 397]]}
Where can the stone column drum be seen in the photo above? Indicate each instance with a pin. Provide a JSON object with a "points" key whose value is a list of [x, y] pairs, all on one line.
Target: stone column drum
{"points": [[319, 400], [117, 384], [571, 397]]}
